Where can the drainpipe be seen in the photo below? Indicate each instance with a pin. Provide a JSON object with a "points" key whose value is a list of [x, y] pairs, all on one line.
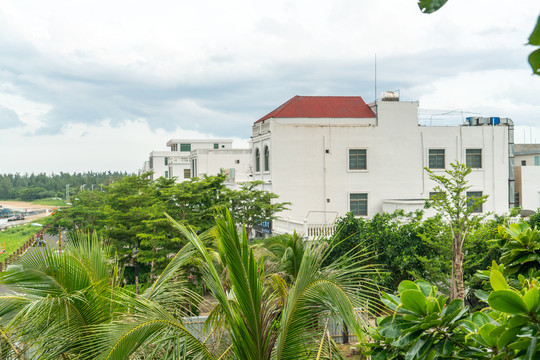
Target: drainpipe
{"points": [[511, 179]]}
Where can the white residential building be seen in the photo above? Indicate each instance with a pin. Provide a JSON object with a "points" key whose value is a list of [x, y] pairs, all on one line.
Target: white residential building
{"points": [[234, 163], [527, 172], [331, 155], [175, 163]]}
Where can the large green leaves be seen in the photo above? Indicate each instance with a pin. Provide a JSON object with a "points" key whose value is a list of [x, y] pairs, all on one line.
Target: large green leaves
{"points": [[534, 57], [430, 6]]}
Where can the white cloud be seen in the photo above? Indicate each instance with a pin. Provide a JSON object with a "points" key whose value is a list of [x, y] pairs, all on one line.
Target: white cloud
{"points": [[107, 69]]}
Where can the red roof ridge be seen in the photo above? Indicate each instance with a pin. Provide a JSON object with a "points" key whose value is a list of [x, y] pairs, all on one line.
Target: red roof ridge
{"points": [[321, 107]]}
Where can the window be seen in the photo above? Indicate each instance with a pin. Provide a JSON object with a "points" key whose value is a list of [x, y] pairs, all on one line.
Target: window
{"points": [[357, 159], [436, 158], [166, 174], [257, 160], [358, 204], [473, 158], [537, 160], [187, 173], [474, 195], [166, 161], [523, 162], [237, 161], [185, 147], [216, 146], [266, 159]]}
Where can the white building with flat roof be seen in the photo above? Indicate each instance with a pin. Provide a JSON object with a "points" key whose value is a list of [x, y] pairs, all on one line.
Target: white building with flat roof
{"points": [[175, 163], [329, 155]]}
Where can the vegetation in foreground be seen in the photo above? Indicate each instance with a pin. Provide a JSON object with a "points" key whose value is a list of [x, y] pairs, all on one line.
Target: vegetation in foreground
{"points": [[70, 304]]}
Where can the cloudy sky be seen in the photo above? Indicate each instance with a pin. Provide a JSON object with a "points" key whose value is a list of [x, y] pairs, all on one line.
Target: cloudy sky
{"points": [[97, 85]]}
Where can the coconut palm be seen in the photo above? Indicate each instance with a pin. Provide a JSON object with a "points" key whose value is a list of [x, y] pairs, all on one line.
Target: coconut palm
{"points": [[55, 299], [261, 316]]}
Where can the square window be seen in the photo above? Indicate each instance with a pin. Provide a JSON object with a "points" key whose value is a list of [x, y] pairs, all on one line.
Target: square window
{"points": [[358, 204], [473, 158], [185, 147], [436, 158], [187, 173], [357, 159], [237, 161], [471, 195], [216, 146]]}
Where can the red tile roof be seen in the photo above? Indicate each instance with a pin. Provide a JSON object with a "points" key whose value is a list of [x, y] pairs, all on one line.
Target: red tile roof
{"points": [[322, 107]]}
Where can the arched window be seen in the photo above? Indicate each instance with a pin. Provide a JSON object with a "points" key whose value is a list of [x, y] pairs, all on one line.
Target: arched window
{"points": [[257, 160], [266, 159]]}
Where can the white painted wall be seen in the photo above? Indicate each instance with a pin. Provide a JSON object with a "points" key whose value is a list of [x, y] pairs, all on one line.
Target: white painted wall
{"points": [[309, 160], [211, 162], [530, 187]]}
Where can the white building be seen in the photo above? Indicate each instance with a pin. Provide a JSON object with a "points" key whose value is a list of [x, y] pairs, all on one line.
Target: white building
{"points": [[331, 155], [527, 173], [175, 163], [234, 163]]}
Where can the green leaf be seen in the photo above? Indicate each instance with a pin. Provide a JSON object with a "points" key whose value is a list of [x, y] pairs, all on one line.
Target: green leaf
{"points": [[531, 349], [479, 319], [534, 38], [481, 295], [531, 298], [497, 280], [407, 285], [414, 300], [425, 287], [485, 331], [444, 348], [430, 6], [507, 301], [534, 61], [507, 337]]}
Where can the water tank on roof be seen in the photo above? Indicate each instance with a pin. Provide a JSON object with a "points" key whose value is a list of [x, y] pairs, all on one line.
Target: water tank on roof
{"points": [[390, 96]]}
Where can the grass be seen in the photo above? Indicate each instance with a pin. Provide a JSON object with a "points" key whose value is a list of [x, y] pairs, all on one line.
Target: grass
{"points": [[14, 237], [50, 202], [346, 349]]}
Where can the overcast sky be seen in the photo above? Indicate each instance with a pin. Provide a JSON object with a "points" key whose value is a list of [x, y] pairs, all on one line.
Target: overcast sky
{"points": [[97, 85]]}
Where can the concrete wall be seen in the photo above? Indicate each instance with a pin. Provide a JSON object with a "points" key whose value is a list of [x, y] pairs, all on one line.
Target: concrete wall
{"points": [[309, 160]]}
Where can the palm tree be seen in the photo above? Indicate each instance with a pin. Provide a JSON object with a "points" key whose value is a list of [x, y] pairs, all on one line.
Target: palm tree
{"points": [[260, 315], [55, 299]]}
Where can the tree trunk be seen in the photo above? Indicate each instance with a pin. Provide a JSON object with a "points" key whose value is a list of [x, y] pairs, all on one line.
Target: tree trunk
{"points": [[457, 290]]}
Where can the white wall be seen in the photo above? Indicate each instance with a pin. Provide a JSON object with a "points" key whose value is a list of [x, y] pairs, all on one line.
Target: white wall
{"points": [[309, 160], [210, 162], [530, 187]]}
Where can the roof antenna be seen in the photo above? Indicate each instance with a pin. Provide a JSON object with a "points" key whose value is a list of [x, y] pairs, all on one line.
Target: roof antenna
{"points": [[375, 78]]}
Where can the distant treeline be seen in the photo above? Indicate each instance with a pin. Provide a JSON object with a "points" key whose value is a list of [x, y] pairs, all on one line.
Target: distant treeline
{"points": [[38, 186]]}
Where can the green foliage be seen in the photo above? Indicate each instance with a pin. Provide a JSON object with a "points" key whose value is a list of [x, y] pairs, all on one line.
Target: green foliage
{"points": [[56, 299], [406, 247], [534, 219], [424, 326], [36, 186], [14, 237], [430, 6], [130, 212], [521, 250], [258, 315]]}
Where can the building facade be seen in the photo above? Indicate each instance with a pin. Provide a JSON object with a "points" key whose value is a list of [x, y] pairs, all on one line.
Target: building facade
{"points": [[527, 173], [331, 155]]}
